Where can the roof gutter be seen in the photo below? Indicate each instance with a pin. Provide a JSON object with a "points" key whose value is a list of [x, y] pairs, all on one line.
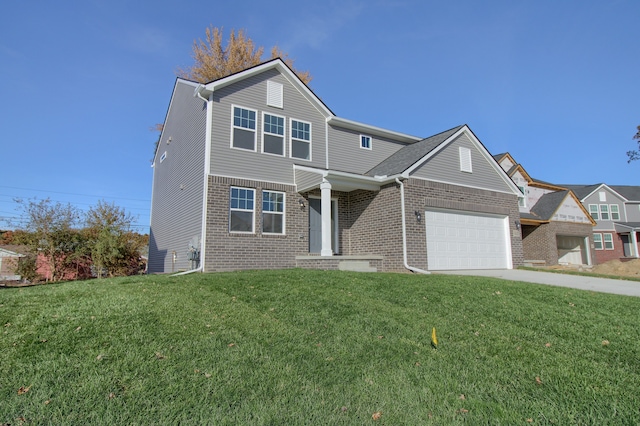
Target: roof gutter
{"points": [[404, 233]]}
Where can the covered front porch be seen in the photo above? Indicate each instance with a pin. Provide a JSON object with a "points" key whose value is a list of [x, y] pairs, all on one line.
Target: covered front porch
{"points": [[628, 232]]}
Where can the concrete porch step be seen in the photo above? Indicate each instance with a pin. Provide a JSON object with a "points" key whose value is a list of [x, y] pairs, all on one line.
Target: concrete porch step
{"points": [[356, 266]]}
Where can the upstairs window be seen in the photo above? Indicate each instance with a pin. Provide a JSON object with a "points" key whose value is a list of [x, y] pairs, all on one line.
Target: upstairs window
{"points": [[615, 214], [594, 212], [365, 142], [272, 212], [241, 210], [273, 134], [244, 129], [522, 201], [604, 211], [465, 160], [300, 139]]}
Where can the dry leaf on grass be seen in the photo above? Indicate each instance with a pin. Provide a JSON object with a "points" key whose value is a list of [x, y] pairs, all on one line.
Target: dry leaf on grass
{"points": [[605, 343], [547, 345], [78, 329], [160, 355], [376, 415], [538, 380], [463, 411], [23, 390]]}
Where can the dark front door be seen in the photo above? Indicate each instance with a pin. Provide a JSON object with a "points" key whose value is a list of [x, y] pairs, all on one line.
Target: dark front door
{"points": [[315, 225]]}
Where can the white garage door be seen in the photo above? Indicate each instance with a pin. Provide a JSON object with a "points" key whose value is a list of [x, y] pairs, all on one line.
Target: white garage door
{"points": [[461, 240]]}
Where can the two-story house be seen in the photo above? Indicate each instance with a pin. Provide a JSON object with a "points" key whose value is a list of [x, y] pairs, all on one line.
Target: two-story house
{"points": [[254, 171], [616, 209], [556, 228]]}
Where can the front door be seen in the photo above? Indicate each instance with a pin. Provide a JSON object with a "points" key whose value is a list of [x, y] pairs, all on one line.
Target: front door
{"points": [[315, 225], [626, 244]]}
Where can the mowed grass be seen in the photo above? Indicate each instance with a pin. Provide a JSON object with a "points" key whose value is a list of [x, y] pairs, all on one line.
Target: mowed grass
{"points": [[317, 347]]}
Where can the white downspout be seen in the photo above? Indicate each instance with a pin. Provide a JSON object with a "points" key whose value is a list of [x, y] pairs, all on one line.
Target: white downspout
{"points": [[404, 234]]}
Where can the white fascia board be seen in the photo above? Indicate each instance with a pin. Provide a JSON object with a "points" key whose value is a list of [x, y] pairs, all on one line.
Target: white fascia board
{"points": [[280, 66], [604, 186], [366, 182], [494, 164], [372, 130]]}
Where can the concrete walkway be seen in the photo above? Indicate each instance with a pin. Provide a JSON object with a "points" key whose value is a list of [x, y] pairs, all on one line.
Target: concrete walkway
{"points": [[603, 285]]}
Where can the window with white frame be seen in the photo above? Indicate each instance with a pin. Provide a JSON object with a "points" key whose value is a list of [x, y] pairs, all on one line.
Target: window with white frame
{"points": [[602, 196], [272, 134], [608, 241], [273, 212], [300, 139], [241, 210], [244, 128], [594, 212], [597, 241], [604, 211], [365, 142], [615, 213], [465, 160], [522, 200], [163, 156]]}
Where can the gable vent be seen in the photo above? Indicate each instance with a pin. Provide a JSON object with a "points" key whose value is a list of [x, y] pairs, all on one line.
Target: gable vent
{"points": [[465, 160], [274, 94]]}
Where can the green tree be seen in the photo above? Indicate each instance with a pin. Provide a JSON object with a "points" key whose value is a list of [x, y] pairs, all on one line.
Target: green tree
{"points": [[635, 153], [113, 247], [213, 61], [51, 231]]}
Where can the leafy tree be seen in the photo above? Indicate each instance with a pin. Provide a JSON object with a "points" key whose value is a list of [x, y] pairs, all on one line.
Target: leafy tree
{"points": [[50, 231], [635, 154], [113, 246], [212, 61]]}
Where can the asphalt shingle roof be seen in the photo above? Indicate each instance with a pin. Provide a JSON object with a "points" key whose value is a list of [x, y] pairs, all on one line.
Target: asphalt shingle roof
{"points": [[548, 204], [581, 191], [631, 193], [407, 156]]}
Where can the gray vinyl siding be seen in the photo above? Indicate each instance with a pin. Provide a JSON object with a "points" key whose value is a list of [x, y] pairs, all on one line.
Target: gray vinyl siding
{"points": [[611, 198], [176, 211], [251, 93], [444, 166], [346, 155], [632, 211], [306, 179]]}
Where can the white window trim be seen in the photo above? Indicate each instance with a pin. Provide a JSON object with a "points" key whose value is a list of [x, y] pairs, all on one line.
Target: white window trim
{"points": [[604, 241], [594, 209], [606, 206], [163, 156], [255, 131], [253, 212], [284, 135], [370, 147], [598, 240], [291, 139], [466, 165], [602, 195], [522, 201], [611, 206], [283, 213]]}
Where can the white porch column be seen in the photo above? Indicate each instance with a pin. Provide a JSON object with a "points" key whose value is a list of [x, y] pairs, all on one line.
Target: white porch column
{"points": [[634, 243], [325, 204]]}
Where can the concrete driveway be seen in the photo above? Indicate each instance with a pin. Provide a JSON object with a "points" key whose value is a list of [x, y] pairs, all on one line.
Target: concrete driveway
{"points": [[603, 285]]}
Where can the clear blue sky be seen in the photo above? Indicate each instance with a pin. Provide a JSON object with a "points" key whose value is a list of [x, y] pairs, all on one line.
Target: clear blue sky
{"points": [[555, 83]]}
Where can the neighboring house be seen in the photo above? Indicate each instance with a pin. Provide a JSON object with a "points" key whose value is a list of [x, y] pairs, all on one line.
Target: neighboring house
{"points": [[254, 171], [9, 258], [616, 209], [556, 228]]}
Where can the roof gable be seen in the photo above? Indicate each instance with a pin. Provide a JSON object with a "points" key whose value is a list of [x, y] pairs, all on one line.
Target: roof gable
{"points": [[547, 206]]}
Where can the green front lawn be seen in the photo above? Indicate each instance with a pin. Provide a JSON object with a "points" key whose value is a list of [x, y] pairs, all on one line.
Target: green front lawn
{"points": [[314, 347]]}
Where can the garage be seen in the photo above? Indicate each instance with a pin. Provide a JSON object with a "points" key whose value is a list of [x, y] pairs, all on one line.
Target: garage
{"points": [[467, 240], [571, 250]]}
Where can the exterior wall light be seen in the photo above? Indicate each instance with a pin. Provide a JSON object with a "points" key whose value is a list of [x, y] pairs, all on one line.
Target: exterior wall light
{"points": [[418, 216]]}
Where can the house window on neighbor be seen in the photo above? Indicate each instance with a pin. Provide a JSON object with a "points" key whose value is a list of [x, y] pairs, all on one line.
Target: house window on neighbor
{"points": [[608, 241], [163, 156], [594, 212], [465, 160], [241, 210], [604, 211], [603, 196], [365, 142], [273, 134], [272, 212], [244, 129], [300, 139], [597, 241], [522, 201], [615, 213]]}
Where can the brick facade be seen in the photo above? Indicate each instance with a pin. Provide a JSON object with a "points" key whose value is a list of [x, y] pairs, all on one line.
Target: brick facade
{"points": [[369, 225], [604, 255], [540, 242]]}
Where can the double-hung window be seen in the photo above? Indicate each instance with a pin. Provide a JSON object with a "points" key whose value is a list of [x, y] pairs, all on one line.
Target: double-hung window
{"points": [[273, 134], [241, 210], [615, 213], [608, 241], [272, 212], [597, 241], [594, 212], [244, 128], [522, 201], [300, 139], [604, 211]]}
